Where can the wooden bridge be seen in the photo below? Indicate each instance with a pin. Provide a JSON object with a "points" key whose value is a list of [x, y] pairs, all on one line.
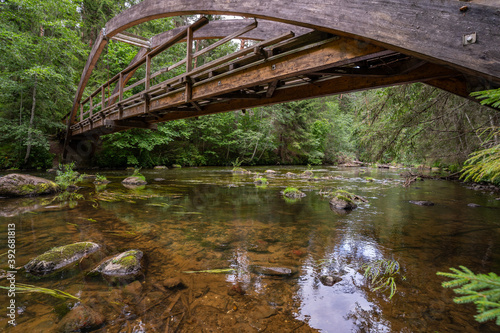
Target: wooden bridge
{"points": [[302, 49]]}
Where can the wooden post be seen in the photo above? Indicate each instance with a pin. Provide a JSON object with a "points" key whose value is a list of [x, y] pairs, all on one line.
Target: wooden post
{"points": [[102, 97], [148, 72], [81, 111], [91, 105], [120, 87], [189, 53]]}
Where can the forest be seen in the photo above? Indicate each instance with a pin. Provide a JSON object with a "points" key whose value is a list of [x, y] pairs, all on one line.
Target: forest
{"points": [[43, 49]]}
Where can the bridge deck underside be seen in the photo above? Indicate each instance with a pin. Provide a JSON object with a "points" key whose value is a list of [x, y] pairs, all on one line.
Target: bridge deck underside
{"points": [[286, 68]]}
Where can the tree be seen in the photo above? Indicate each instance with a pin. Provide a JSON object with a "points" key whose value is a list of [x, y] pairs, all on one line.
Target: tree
{"points": [[39, 51]]}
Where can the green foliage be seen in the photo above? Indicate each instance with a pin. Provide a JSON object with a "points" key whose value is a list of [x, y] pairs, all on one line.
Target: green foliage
{"points": [[100, 178], [138, 174], [290, 189], [261, 180], [489, 97], [382, 275], [66, 176], [485, 164], [481, 289]]}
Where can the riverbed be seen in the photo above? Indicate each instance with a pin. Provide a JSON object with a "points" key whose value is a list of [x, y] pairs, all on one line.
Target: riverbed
{"points": [[188, 220]]}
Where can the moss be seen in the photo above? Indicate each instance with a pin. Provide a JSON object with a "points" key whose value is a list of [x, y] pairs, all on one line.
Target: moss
{"points": [[65, 252], [346, 199], [128, 259]]}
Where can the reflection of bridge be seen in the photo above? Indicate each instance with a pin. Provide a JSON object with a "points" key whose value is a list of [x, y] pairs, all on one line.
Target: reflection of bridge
{"points": [[305, 49]]}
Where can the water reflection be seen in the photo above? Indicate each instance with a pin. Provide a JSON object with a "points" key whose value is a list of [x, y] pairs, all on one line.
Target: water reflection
{"points": [[210, 219]]}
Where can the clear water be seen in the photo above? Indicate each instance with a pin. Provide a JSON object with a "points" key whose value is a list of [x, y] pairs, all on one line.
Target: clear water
{"points": [[209, 218]]}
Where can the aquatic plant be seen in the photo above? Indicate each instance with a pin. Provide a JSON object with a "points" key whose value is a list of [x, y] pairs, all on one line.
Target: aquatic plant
{"points": [[481, 289], [22, 288], [66, 176], [138, 174], [261, 180], [100, 178], [382, 274]]}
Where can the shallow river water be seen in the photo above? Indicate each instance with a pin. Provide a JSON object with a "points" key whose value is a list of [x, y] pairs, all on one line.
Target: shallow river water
{"points": [[195, 219]]}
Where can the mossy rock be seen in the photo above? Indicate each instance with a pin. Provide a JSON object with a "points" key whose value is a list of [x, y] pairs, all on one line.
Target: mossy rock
{"points": [[135, 181], [293, 193], [60, 257], [240, 170], [176, 166], [307, 174], [18, 185], [343, 202], [122, 268]]}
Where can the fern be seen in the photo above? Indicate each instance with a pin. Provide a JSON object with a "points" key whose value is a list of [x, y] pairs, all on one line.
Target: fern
{"points": [[489, 97], [481, 289]]}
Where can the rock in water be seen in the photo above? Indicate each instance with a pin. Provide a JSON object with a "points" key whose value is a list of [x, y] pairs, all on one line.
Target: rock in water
{"points": [[80, 318], [474, 205], [273, 271], [422, 202], [329, 281], [17, 185], [124, 267], [341, 202], [60, 257], [133, 180]]}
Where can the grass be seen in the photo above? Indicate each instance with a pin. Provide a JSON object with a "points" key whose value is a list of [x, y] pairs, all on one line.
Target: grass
{"points": [[22, 288]]}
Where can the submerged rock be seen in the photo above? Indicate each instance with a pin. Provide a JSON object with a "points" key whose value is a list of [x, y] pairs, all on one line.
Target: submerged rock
{"points": [[18, 185], [135, 181], [273, 271], [60, 257], [124, 267], [81, 318], [291, 175], [421, 202], [328, 280], [172, 283]]}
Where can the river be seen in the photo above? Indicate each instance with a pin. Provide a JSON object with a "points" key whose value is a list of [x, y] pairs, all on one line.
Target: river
{"points": [[193, 219]]}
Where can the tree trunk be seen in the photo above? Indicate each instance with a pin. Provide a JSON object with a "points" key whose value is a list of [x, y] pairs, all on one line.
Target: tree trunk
{"points": [[28, 149]]}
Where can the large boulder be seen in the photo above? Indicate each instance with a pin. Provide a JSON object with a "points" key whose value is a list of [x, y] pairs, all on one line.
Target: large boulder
{"points": [[60, 257], [122, 268], [18, 185]]}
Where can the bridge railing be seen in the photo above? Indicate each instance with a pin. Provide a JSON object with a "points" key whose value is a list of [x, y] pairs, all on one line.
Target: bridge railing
{"points": [[103, 101]]}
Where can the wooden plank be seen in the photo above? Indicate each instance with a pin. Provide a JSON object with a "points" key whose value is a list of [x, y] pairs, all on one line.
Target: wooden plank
{"points": [[131, 41], [321, 88], [272, 88], [148, 72], [427, 29], [226, 39], [129, 124]]}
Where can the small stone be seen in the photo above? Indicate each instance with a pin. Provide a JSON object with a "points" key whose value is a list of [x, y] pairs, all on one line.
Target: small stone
{"points": [[270, 171], [160, 167], [159, 179], [474, 205], [124, 267], [174, 282], [272, 271], [421, 202], [329, 281], [81, 318], [344, 203], [132, 291]]}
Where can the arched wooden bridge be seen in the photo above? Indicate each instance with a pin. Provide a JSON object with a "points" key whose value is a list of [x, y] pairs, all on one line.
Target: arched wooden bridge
{"points": [[303, 49]]}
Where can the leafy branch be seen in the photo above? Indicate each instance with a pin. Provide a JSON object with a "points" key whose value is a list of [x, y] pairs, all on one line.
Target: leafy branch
{"points": [[481, 289]]}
